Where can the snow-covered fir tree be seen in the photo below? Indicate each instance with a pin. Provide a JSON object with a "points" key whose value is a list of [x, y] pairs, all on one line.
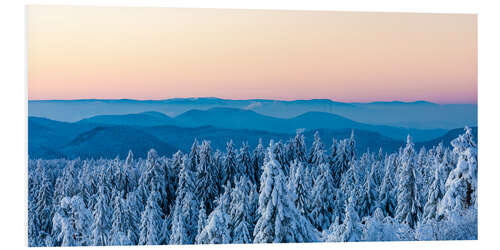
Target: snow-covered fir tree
{"points": [[258, 156], [323, 200], [240, 211], [230, 164], [206, 189], [387, 198], [279, 221], [351, 230], [72, 223], [119, 227], [461, 184], [217, 228], [102, 219], [300, 186], [408, 208], [185, 214], [245, 167], [151, 227]]}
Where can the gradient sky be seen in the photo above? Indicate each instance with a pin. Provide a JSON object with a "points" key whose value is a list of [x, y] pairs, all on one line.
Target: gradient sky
{"points": [[158, 53]]}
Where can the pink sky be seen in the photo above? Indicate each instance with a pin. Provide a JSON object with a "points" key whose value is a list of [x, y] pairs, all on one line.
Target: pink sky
{"points": [[159, 53]]}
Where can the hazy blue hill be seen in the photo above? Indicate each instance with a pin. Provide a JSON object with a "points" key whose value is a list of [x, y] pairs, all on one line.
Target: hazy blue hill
{"points": [[419, 114], [109, 142], [245, 119], [44, 132], [150, 118], [230, 118], [396, 103], [183, 137], [315, 120], [447, 138], [53, 139]]}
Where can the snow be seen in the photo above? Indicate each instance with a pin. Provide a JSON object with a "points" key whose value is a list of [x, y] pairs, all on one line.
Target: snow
{"points": [[276, 193]]}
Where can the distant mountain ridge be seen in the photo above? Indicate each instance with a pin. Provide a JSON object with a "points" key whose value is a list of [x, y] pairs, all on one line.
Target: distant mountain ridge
{"points": [[232, 118], [52, 139], [418, 114], [150, 118]]}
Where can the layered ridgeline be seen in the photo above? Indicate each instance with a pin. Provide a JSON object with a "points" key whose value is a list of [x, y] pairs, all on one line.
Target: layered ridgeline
{"points": [[283, 192], [113, 135], [420, 114]]}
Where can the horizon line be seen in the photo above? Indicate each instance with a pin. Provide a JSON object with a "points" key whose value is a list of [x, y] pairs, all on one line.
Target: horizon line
{"points": [[252, 99]]}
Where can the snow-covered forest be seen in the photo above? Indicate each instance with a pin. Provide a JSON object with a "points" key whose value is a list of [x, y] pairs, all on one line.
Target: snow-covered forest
{"points": [[275, 192]]}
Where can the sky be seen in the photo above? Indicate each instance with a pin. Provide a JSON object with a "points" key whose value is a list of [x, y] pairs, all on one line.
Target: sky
{"points": [[77, 52]]}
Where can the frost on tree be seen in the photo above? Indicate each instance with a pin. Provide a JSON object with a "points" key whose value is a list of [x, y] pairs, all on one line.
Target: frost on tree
{"points": [[245, 167], [323, 200], [151, 227], [279, 221], [351, 230], [206, 190], [185, 214], [241, 210], [102, 219], [387, 198], [216, 230], [119, 227], [72, 222], [408, 209], [317, 154], [461, 184], [300, 186]]}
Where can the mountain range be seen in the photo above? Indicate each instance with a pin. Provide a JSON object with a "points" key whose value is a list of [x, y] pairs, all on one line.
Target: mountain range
{"points": [[93, 138], [418, 114], [232, 118]]}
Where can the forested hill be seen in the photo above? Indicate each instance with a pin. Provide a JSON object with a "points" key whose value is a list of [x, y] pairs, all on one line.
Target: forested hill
{"points": [[52, 139]]}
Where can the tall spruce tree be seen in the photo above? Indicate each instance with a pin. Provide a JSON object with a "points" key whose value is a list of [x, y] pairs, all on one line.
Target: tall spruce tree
{"points": [[408, 208], [279, 221], [323, 197], [151, 227], [206, 177]]}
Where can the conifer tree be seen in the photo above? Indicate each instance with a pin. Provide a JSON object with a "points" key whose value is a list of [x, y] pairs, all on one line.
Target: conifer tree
{"points": [[202, 218], [185, 215], [323, 209], [240, 211], [408, 208], [133, 214], [461, 192], [230, 164], [217, 229], [206, 190], [258, 161], [300, 186], [435, 194], [351, 227], [386, 198], [119, 223], [279, 221], [102, 219], [151, 221], [245, 164], [43, 212], [72, 223], [317, 155], [300, 146]]}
